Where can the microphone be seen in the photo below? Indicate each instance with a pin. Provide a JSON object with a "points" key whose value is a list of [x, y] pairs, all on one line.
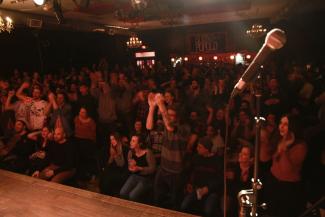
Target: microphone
{"points": [[274, 40]]}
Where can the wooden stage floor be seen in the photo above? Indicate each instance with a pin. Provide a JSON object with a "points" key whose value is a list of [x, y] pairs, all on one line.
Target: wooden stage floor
{"points": [[23, 196]]}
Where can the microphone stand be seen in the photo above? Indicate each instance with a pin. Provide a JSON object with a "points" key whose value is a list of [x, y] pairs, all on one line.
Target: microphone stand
{"points": [[256, 183], [248, 198]]}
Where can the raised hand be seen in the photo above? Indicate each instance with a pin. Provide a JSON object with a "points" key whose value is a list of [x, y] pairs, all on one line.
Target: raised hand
{"points": [[151, 100], [159, 98], [25, 85]]}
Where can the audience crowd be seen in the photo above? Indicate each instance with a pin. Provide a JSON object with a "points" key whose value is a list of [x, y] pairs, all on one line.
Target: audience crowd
{"points": [[157, 135]]}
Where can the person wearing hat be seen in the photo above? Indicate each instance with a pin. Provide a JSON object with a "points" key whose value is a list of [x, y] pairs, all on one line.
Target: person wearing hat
{"points": [[204, 186]]}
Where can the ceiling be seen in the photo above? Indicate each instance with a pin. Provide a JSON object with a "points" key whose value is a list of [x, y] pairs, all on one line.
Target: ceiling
{"points": [[104, 15]]}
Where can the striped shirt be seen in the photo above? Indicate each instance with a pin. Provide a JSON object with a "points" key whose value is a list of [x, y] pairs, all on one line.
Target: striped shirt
{"points": [[174, 148]]}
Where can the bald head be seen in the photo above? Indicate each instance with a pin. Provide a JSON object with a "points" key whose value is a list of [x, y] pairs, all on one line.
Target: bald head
{"points": [[59, 135]]}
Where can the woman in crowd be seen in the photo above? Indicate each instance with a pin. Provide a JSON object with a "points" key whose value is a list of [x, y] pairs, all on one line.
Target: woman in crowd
{"points": [[38, 159], [115, 170], [142, 166], [85, 136], [283, 190]]}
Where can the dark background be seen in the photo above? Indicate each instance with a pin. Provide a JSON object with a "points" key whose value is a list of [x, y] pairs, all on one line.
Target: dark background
{"points": [[24, 47]]}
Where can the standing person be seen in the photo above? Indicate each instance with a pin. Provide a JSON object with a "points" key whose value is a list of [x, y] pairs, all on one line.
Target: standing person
{"points": [[37, 108], [169, 177], [283, 189], [62, 112], [107, 113], [142, 166], [85, 138], [86, 100]]}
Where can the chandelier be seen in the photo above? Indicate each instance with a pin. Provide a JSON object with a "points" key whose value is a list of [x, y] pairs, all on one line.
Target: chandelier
{"points": [[256, 31], [134, 42], [6, 25], [139, 4]]}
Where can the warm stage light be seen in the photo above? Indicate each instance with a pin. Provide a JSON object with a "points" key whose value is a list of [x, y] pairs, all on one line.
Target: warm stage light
{"points": [[172, 59], [248, 56], [200, 58], [232, 57], [39, 2], [215, 57], [185, 58]]}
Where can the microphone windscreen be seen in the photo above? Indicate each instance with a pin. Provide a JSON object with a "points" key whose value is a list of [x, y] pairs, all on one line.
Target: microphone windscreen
{"points": [[275, 39]]}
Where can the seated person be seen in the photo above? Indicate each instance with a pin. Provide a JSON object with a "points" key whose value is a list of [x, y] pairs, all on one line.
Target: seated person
{"points": [[14, 155], [142, 165], [115, 171], [61, 159], [205, 184], [38, 159]]}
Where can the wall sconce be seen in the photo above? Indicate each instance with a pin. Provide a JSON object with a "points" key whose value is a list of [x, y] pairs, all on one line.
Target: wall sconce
{"points": [[6, 25]]}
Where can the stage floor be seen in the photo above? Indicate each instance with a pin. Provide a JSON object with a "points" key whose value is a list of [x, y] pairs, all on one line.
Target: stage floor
{"points": [[23, 196]]}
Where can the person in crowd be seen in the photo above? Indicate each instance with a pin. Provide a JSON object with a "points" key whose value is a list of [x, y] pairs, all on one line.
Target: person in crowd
{"points": [[155, 139], [243, 131], [38, 159], [219, 93], [115, 171], [204, 187], [140, 101], [194, 97], [61, 115], [141, 165], [274, 100], [124, 103], [19, 108], [15, 153], [37, 108], [139, 129], [107, 114], [239, 178], [85, 137], [169, 178], [283, 190], [7, 114], [217, 140], [86, 100], [61, 159], [170, 99]]}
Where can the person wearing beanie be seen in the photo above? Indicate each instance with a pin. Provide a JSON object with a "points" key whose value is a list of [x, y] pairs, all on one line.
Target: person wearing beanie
{"points": [[204, 186]]}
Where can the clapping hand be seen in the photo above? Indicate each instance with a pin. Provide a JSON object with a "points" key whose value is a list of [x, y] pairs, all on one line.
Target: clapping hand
{"points": [[151, 100], [159, 98], [51, 97]]}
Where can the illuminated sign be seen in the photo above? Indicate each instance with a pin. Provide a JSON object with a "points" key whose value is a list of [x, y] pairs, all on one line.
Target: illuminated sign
{"points": [[145, 54]]}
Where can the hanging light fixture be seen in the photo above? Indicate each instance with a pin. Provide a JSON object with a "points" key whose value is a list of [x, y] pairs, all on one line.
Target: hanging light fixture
{"points": [[134, 42], [39, 2], [6, 25], [256, 31]]}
